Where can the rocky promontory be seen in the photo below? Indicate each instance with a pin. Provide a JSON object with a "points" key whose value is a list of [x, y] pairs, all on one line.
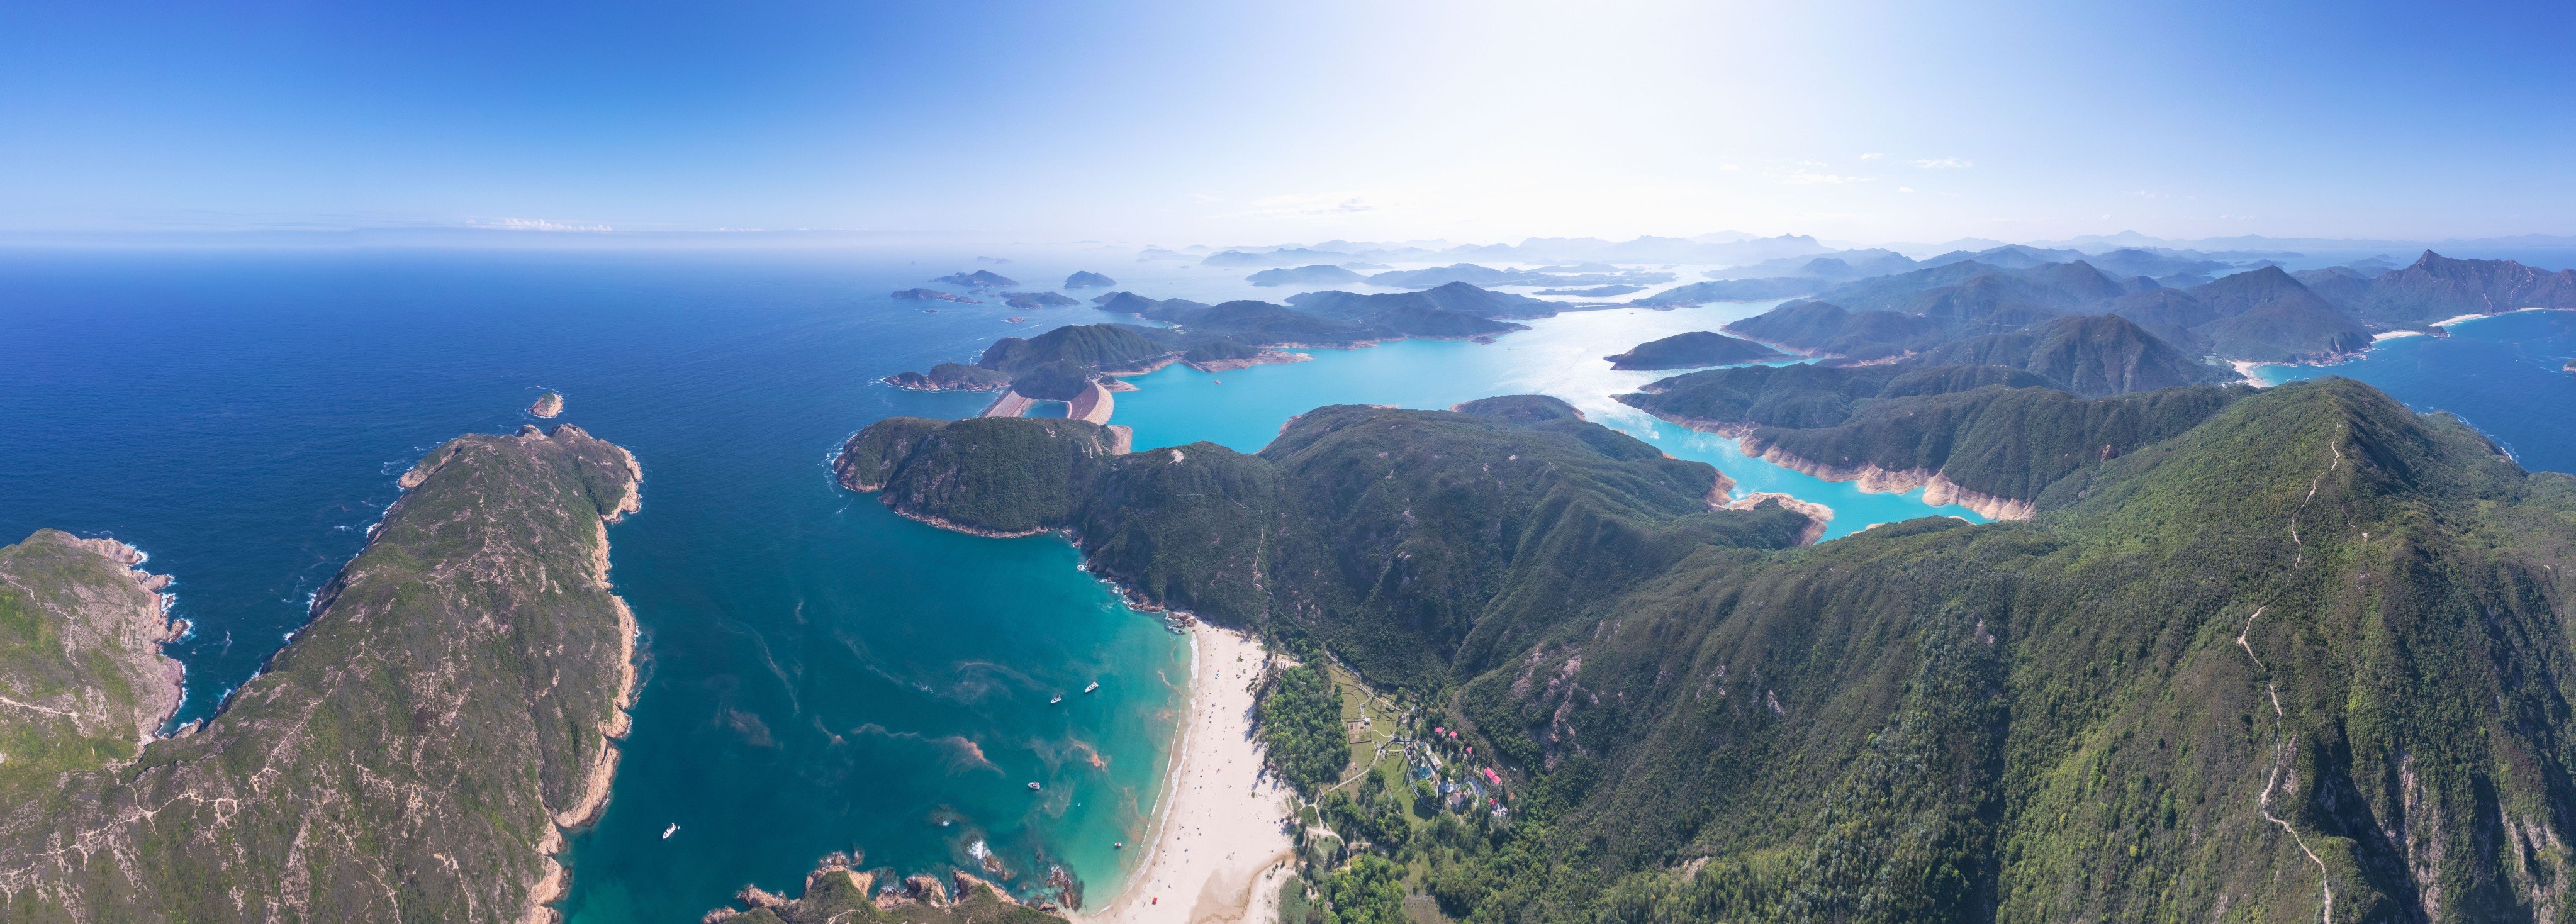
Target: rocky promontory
{"points": [[85, 682], [951, 377], [836, 894], [411, 755], [549, 404]]}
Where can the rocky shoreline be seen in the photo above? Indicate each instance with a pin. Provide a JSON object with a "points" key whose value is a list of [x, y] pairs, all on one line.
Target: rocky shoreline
{"points": [[554, 881], [1938, 489]]}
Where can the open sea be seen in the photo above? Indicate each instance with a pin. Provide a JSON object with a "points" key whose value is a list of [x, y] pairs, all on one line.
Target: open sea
{"points": [[818, 674]]}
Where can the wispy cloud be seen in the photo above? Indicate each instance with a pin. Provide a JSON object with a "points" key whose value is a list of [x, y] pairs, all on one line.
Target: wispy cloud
{"points": [[533, 224], [1945, 163], [1810, 177], [1304, 206], [1905, 189], [1872, 156]]}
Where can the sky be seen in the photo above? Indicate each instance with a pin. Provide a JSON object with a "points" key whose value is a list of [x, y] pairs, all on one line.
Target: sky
{"points": [[1220, 123]]}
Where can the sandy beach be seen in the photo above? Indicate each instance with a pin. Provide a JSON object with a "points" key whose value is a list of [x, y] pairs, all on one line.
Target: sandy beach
{"points": [[1217, 851]]}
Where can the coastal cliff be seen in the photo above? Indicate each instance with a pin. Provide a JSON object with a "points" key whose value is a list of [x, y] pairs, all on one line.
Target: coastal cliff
{"points": [[412, 754], [83, 683]]}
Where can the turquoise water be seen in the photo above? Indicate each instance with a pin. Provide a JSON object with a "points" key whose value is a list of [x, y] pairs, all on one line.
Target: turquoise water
{"points": [[1559, 356], [2502, 374], [817, 674]]}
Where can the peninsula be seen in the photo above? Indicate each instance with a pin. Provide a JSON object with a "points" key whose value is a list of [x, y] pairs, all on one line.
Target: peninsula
{"points": [[453, 705], [1693, 350]]}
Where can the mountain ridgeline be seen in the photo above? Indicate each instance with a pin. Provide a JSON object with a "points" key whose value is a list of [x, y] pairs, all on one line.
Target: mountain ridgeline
{"points": [[412, 754], [2264, 314], [2289, 653]]}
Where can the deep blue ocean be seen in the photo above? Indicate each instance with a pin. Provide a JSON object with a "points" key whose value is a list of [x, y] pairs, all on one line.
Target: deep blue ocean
{"points": [[819, 674]]}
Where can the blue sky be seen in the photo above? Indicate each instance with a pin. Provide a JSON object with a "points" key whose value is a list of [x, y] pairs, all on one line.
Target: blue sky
{"points": [[1218, 123]]}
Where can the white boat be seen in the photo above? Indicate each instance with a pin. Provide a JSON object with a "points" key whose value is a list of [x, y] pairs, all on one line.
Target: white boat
{"points": [[1058, 699], [1033, 786], [673, 829], [1094, 686]]}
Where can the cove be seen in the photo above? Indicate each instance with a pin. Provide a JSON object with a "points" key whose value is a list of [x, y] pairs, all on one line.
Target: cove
{"points": [[1560, 356]]}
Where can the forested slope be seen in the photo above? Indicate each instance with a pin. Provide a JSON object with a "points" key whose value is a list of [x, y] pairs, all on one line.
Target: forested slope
{"points": [[2307, 657]]}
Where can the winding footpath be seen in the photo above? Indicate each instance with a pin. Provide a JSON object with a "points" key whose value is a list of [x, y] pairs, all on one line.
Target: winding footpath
{"points": [[2288, 744]]}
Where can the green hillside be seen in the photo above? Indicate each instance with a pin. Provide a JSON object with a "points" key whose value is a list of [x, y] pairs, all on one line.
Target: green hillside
{"points": [[2090, 356], [2311, 644], [1406, 525]]}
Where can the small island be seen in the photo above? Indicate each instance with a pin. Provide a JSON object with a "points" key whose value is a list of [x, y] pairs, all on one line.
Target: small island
{"points": [[934, 295], [977, 279], [1037, 300], [548, 405], [1693, 350], [1305, 276], [1088, 280]]}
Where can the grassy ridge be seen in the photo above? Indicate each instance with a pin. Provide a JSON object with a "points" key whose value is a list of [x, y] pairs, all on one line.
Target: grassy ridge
{"points": [[404, 757]]}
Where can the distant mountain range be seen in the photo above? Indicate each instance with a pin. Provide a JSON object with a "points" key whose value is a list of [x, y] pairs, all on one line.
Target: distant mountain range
{"points": [[2259, 315], [1650, 250]]}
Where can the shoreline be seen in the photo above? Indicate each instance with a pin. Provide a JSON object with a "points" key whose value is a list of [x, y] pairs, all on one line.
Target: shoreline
{"points": [[1214, 849], [1938, 489], [554, 879]]}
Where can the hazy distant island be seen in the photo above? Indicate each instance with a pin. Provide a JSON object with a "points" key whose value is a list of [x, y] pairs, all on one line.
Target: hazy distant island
{"points": [[1595, 291], [1318, 275], [1215, 338], [1038, 300], [1088, 280], [934, 295], [450, 709], [978, 279], [549, 404], [1693, 350]]}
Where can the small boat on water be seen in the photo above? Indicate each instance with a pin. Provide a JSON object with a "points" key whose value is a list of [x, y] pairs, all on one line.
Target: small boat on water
{"points": [[1033, 787], [1094, 686], [1122, 845], [1057, 699], [673, 829]]}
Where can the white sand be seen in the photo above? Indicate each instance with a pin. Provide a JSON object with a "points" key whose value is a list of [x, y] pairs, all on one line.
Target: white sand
{"points": [[2446, 322], [2394, 334], [1218, 848]]}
